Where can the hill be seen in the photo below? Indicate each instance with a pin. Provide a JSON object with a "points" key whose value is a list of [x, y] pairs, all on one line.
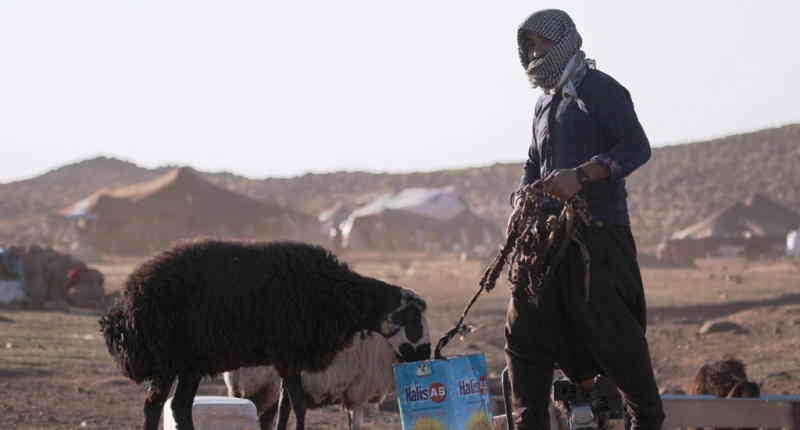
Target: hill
{"points": [[65, 185], [681, 184], [684, 184]]}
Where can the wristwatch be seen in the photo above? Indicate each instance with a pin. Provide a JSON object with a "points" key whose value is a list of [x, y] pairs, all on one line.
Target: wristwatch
{"points": [[583, 178]]}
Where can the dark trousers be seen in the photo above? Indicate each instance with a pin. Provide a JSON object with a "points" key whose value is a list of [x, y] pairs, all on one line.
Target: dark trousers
{"points": [[604, 335]]}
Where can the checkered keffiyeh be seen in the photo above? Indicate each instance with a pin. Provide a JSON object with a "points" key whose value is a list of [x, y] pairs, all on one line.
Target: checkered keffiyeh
{"points": [[553, 24]]}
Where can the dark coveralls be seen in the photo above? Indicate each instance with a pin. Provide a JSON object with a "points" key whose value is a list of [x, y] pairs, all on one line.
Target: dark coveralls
{"points": [[607, 334]]}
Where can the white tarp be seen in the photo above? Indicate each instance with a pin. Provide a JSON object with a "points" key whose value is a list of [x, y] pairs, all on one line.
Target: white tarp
{"points": [[442, 204], [11, 291], [12, 286], [793, 243], [81, 209]]}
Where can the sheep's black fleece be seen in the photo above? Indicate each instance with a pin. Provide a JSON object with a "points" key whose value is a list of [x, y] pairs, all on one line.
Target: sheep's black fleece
{"points": [[212, 306]]}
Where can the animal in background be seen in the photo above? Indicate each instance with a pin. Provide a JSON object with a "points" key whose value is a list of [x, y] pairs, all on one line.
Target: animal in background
{"points": [[724, 378]]}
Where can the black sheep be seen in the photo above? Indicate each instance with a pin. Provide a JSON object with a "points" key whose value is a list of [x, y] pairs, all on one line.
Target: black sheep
{"points": [[202, 308]]}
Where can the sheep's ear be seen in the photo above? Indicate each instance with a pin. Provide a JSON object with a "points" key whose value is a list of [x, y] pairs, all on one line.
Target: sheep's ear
{"points": [[410, 296]]}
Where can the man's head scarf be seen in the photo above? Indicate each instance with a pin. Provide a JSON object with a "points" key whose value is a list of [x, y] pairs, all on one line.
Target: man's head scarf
{"points": [[553, 24], [564, 65]]}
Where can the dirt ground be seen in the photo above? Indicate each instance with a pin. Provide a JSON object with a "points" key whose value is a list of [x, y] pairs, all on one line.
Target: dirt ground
{"points": [[55, 372]]}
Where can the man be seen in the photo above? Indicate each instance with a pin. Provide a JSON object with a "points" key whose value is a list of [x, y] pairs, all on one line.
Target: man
{"points": [[586, 140]]}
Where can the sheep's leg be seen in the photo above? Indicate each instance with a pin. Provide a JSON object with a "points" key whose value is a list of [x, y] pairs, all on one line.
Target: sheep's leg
{"points": [[267, 417], [355, 418], [184, 399], [358, 417], [154, 403], [295, 387], [283, 407]]}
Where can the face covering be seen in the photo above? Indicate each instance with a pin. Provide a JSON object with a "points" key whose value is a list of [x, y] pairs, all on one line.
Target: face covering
{"points": [[545, 71]]}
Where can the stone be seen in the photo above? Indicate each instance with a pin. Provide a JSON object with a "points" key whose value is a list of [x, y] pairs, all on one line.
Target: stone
{"points": [[722, 327]]}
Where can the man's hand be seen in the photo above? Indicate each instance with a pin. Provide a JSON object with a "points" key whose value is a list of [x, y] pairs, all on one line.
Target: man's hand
{"points": [[516, 206], [562, 183], [509, 225]]}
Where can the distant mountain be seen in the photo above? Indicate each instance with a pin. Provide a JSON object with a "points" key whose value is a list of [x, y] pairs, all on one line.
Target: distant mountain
{"points": [[681, 184], [64, 185]]}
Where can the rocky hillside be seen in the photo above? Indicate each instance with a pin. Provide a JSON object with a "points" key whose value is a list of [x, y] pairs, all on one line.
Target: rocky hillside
{"points": [[679, 186], [683, 184]]}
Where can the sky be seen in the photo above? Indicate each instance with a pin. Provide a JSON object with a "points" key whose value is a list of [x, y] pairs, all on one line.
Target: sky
{"points": [[283, 88]]}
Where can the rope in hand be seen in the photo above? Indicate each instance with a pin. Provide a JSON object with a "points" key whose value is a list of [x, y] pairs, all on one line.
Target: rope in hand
{"points": [[536, 241]]}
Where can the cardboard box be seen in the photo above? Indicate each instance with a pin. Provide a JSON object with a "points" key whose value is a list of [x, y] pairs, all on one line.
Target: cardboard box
{"points": [[451, 394]]}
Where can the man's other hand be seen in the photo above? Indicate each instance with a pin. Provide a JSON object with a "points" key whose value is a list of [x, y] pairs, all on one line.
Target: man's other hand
{"points": [[562, 183]]}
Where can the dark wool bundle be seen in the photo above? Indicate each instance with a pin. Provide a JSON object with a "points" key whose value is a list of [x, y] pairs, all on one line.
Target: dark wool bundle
{"points": [[536, 239], [212, 306], [725, 378]]}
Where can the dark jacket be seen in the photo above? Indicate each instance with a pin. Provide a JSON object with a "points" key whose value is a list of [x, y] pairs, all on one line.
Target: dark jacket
{"points": [[607, 132]]}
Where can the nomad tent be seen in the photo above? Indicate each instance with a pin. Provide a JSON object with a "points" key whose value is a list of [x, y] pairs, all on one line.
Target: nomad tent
{"points": [[149, 216], [752, 227], [418, 219]]}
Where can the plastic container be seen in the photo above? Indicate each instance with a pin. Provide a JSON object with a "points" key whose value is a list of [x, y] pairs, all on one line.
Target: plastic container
{"points": [[451, 394], [217, 413]]}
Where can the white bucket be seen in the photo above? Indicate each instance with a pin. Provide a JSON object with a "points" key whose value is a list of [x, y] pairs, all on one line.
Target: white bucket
{"points": [[11, 291], [217, 413], [793, 243]]}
